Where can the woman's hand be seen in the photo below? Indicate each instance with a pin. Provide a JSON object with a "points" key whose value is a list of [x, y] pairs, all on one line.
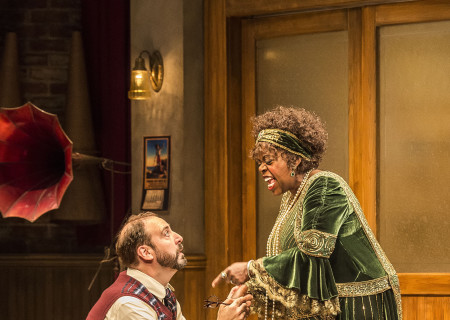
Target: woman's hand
{"points": [[239, 307], [235, 274]]}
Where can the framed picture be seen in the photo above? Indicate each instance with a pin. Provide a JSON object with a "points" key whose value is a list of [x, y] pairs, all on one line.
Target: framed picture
{"points": [[156, 173]]}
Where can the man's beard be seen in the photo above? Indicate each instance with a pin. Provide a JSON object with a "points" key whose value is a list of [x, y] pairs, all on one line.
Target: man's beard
{"points": [[176, 261]]}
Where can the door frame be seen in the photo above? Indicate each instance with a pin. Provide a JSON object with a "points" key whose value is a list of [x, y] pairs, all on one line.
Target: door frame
{"points": [[229, 174]]}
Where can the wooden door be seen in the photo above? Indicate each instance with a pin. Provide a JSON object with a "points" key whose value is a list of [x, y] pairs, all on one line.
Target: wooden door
{"points": [[412, 49], [299, 60], [231, 61]]}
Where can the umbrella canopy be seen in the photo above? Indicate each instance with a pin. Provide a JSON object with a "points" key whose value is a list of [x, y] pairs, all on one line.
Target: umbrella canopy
{"points": [[35, 162]]}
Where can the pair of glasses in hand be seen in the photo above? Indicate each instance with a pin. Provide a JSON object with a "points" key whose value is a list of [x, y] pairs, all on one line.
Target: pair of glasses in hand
{"points": [[213, 302]]}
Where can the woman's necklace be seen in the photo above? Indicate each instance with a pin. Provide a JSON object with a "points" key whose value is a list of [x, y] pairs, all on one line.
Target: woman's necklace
{"points": [[273, 242]]}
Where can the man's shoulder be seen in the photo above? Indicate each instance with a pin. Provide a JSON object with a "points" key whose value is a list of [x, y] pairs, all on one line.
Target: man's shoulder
{"points": [[123, 286]]}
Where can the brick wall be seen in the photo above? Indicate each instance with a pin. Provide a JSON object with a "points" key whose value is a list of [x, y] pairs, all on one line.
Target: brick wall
{"points": [[44, 29]]}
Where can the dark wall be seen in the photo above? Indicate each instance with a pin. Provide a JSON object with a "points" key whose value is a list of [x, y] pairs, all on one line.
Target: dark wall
{"points": [[44, 30]]}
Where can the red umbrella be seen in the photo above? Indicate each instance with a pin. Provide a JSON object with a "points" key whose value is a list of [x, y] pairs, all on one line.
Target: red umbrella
{"points": [[35, 162]]}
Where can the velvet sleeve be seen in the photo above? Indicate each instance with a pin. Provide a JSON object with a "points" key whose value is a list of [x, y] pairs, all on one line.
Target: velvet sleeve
{"points": [[303, 271], [317, 295], [325, 207]]}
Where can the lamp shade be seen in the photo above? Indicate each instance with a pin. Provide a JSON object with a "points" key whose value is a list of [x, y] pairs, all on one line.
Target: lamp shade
{"points": [[140, 85]]}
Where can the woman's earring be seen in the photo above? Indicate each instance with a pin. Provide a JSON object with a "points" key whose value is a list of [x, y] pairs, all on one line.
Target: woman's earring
{"points": [[292, 173]]}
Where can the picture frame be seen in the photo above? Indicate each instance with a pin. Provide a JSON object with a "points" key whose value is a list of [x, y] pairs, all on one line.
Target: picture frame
{"points": [[156, 173]]}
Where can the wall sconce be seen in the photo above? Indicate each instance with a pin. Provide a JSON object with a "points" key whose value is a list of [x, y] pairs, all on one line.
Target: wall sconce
{"points": [[141, 77]]}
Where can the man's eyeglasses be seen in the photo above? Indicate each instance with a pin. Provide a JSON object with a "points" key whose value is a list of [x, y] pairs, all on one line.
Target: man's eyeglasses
{"points": [[213, 302]]}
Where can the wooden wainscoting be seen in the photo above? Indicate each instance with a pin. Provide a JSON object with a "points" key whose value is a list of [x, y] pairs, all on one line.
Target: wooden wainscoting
{"points": [[43, 287], [189, 287], [425, 296]]}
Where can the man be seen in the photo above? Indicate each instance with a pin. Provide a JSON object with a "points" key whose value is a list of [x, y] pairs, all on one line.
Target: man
{"points": [[152, 253]]}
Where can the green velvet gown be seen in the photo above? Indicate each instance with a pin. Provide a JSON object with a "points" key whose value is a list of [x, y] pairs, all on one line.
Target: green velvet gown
{"points": [[328, 264]]}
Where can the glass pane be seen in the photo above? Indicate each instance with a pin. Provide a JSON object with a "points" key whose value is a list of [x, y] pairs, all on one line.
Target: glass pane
{"points": [[414, 138], [309, 71]]}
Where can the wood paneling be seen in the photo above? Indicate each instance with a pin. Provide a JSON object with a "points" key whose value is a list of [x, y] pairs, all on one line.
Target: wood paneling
{"points": [[425, 283], [42, 287], [426, 308], [189, 284]]}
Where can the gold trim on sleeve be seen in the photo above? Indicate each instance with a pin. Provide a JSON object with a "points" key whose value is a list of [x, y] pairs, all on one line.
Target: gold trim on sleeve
{"points": [[289, 303], [315, 243]]}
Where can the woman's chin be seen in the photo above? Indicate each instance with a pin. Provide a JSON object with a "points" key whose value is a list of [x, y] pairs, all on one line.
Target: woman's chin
{"points": [[276, 192]]}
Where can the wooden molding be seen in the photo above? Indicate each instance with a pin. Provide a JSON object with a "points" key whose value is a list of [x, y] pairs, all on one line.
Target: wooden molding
{"points": [[362, 111], [248, 167], [239, 8], [216, 144], [419, 11], [425, 283], [300, 23]]}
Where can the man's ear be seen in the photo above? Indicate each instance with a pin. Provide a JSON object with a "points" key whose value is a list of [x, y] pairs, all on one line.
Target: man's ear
{"points": [[145, 253]]}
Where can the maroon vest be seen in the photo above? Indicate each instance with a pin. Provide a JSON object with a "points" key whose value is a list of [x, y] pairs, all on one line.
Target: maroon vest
{"points": [[128, 286]]}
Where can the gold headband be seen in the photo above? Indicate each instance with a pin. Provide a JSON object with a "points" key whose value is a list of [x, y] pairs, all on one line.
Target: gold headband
{"points": [[284, 140]]}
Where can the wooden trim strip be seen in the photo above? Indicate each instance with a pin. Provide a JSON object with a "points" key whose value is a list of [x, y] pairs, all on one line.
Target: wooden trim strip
{"points": [[362, 110], [355, 180], [301, 23], [422, 11], [239, 8], [216, 144], [368, 125], [249, 221], [424, 283]]}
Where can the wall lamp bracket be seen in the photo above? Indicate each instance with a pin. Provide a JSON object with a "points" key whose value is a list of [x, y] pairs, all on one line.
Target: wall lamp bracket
{"points": [[142, 79]]}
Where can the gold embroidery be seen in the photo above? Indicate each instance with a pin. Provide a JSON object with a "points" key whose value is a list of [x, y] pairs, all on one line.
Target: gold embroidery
{"points": [[315, 243], [285, 140], [392, 276], [363, 288], [289, 303]]}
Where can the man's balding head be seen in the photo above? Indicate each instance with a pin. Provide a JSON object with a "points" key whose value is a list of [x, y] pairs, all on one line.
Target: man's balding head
{"points": [[132, 235]]}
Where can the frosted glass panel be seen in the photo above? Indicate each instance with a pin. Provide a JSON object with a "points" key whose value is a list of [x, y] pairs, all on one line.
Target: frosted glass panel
{"points": [[309, 71], [414, 120]]}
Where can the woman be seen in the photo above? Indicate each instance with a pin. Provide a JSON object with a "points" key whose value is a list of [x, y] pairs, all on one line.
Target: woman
{"points": [[323, 261]]}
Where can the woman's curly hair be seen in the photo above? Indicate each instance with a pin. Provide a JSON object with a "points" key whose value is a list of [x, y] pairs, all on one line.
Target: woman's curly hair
{"points": [[305, 125]]}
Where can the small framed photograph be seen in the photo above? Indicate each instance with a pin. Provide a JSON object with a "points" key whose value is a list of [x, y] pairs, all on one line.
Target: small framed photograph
{"points": [[156, 173]]}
